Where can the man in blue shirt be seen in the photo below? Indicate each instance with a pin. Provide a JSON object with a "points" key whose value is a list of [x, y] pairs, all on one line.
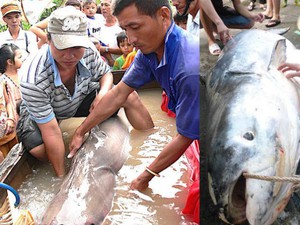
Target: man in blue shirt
{"points": [[171, 56]]}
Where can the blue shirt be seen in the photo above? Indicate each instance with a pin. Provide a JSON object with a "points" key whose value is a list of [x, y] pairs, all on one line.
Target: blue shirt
{"points": [[178, 73]]}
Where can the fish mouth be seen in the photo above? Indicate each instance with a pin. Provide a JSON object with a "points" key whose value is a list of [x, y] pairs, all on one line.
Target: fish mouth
{"points": [[235, 211]]}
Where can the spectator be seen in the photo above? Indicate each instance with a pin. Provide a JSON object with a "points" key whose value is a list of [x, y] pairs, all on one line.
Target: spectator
{"points": [[125, 47], [181, 21], [237, 18], [95, 23], [109, 32], [10, 95], [273, 13], [25, 40]]}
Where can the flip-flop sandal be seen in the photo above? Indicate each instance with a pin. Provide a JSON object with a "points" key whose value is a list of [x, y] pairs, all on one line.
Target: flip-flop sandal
{"points": [[273, 23], [267, 17], [251, 6], [214, 49], [262, 7]]}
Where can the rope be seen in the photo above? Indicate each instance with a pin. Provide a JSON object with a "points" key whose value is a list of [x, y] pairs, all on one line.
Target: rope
{"points": [[5, 214], [294, 179]]}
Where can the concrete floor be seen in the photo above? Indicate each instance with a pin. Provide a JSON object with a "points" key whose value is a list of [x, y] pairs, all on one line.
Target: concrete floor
{"points": [[289, 16]]}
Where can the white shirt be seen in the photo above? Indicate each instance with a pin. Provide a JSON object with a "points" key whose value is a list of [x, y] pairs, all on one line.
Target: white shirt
{"points": [[30, 45], [94, 25], [193, 24], [109, 36]]}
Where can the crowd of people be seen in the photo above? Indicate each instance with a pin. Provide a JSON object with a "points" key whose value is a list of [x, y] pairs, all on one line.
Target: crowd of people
{"points": [[238, 16]]}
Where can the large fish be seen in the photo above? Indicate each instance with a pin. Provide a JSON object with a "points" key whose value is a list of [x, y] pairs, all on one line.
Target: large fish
{"points": [[86, 194], [253, 127]]}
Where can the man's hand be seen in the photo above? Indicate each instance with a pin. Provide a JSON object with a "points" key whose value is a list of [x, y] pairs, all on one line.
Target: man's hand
{"points": [[141, 182], [223, 33], [292, 68], [75, 144], [258, 17]]}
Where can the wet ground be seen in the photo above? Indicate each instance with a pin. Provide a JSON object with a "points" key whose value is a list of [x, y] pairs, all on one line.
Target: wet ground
{"points": [[209, 215]]}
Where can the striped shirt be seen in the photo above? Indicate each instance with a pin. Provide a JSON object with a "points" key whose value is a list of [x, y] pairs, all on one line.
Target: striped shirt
{"points": [[44, 94]]}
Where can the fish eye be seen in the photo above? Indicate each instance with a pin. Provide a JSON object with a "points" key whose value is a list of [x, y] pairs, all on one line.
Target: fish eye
{"points": [[249, 136]]}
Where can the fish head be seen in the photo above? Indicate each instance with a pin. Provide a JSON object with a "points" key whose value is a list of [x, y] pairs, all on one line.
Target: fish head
{"points": [[256, 133]]}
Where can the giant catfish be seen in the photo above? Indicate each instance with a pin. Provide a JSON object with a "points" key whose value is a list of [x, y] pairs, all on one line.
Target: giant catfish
{"points": [[253, 127], [86, 194]]}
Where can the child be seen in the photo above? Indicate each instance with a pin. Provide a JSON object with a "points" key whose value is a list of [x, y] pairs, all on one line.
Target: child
{"points": [[10, 95], [95, 21], [125, 47], [181, 21]]}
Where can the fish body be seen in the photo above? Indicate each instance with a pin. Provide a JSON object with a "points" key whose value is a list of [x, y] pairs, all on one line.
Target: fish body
{"points": [[86, 194], [253, 127]]}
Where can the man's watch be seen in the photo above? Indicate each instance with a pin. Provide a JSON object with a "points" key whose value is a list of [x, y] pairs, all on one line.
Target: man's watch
{"points": [[106, 49]]}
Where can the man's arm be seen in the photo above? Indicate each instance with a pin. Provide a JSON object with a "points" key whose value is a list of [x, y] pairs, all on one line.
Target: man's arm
{"points": [[106, 107], [208, 8], [106, 83], [170, 154], [241, 9], [54, 145]]}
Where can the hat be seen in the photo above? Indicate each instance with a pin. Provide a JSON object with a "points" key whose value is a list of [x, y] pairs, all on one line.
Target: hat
{"points": [[73, 3], [68, 28], [9, 8]]}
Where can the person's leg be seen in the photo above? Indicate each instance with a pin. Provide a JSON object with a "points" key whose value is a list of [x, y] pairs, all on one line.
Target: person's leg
{"points": [[237, 22], [208, 27], [251, 5], [269, 10], [39, 152], [275, 20], [136, 112], [262, 4], [276, 10], [29, 134]]}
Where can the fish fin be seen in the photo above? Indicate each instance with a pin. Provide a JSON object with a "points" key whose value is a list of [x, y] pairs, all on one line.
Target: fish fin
{"points": [[279, 54]]}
